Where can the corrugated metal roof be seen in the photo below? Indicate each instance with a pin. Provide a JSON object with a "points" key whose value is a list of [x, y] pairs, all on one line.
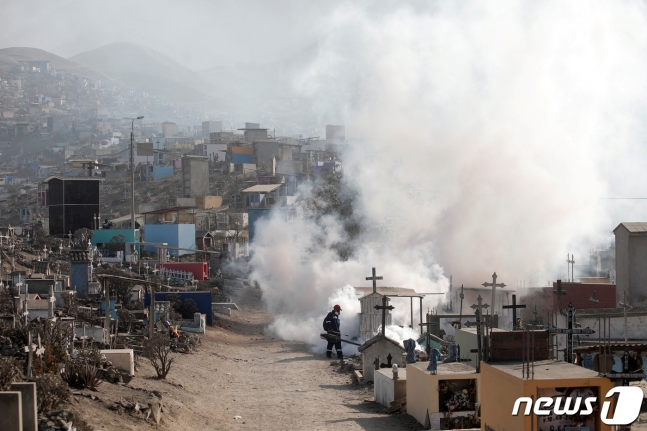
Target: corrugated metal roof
{"points": [[262, 188], [377, 338], [169, 210], [389, 291], [634, 227]]}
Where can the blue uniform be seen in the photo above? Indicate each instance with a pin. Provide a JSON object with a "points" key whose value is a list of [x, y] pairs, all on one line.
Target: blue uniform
{"points": [[331, 324]]}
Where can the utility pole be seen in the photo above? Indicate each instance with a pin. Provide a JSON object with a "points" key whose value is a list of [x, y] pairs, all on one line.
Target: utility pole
{"points": [[132, 172]]}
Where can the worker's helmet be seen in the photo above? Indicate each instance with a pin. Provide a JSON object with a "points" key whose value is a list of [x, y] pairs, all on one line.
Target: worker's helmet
{"points": [[337, 308]]}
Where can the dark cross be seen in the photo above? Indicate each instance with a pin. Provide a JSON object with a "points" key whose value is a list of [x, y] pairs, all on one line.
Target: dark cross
{"points": [[479, 306], [374, 278], [570, 331], [478, 349], [388, 364], [593, 300], [570, 262], [479, 313], [460, 315], [494, 286], [559, 292], [536, 313], [383, 307], [514, 307], [451, 305]]}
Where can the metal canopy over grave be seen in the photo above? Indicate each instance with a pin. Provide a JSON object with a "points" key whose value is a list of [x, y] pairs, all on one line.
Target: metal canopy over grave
{"points": [[396, 292]]}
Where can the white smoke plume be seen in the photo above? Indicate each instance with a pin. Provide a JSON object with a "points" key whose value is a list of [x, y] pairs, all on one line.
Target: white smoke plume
{"points": [[486, 135]]}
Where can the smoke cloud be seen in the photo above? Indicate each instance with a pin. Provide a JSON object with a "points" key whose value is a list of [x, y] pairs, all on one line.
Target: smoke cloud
{"points": [[485, 135]]}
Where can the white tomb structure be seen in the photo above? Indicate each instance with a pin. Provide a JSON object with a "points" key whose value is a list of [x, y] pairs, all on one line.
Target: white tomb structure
{"points": [[370, 319]]}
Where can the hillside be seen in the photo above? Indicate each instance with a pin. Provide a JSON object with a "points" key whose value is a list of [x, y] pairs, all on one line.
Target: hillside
{"points": [[11, 57], [144, 69]]}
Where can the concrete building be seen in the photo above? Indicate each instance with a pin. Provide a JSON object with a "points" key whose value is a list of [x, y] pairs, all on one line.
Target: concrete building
{"points": [[214, 152], [209, 127], [335, 133], [180, 235], [72, 203], [631, 255], [253, 132], [275, 155], [169, 130], [195, 176]]}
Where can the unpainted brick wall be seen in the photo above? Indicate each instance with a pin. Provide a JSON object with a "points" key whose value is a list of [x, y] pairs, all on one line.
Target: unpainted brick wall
{"points": [[508, 346]]}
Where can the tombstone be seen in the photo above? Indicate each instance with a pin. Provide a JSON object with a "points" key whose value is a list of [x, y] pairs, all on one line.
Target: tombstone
{"points": [[29, 404], [11, 408]]}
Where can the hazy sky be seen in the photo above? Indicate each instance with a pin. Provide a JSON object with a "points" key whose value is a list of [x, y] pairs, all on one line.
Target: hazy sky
{"points": [[198, 33]]}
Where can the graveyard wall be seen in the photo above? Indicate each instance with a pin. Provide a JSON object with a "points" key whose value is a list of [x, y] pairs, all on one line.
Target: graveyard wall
{"points": [[579, 293], [508, 346], [199, 269]]}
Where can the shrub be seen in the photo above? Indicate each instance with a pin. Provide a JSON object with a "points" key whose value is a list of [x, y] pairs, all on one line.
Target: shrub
{"points": [[53, 356], [81, 374], [126, 319], [10, 372], [158, 351], [51, 391], [91, 356], [188, 308]]}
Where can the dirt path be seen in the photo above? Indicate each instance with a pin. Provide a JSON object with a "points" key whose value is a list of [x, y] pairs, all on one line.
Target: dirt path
{"points": [[239, 371]]}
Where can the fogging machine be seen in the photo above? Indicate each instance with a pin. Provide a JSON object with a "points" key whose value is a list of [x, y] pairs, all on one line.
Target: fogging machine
{"points": [[334, 338]]}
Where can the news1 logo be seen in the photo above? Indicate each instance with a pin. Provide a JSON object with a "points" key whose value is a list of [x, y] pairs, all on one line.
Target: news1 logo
{"points": [[627, 410]]}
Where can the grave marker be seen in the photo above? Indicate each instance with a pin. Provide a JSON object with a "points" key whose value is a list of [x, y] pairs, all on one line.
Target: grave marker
{"points": [[494, 286], [570, 331], [11, 408], [559, 292], [460, 314], [28, 403], [374, 278], [514, 307], [384, 307]]}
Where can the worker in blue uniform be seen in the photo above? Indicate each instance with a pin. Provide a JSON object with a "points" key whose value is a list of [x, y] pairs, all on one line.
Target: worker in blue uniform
{"points": [[331, 325]]}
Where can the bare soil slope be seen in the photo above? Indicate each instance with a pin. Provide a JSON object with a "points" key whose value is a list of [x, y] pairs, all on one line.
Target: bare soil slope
{"points": [[239, 371]]}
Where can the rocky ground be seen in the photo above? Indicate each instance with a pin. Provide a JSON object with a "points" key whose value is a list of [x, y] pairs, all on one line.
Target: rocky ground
{"points": [[240, 378]]}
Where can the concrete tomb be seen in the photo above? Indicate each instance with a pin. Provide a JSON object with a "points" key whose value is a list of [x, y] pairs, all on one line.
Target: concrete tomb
{"points": [[198, 325], [11, 408], [122, 359], [376, 352], [388, 387], [431, 396], [28, 401]]}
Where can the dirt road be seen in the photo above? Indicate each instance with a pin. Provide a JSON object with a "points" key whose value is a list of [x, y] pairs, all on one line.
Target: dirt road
{"points": [[239, 371]]}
